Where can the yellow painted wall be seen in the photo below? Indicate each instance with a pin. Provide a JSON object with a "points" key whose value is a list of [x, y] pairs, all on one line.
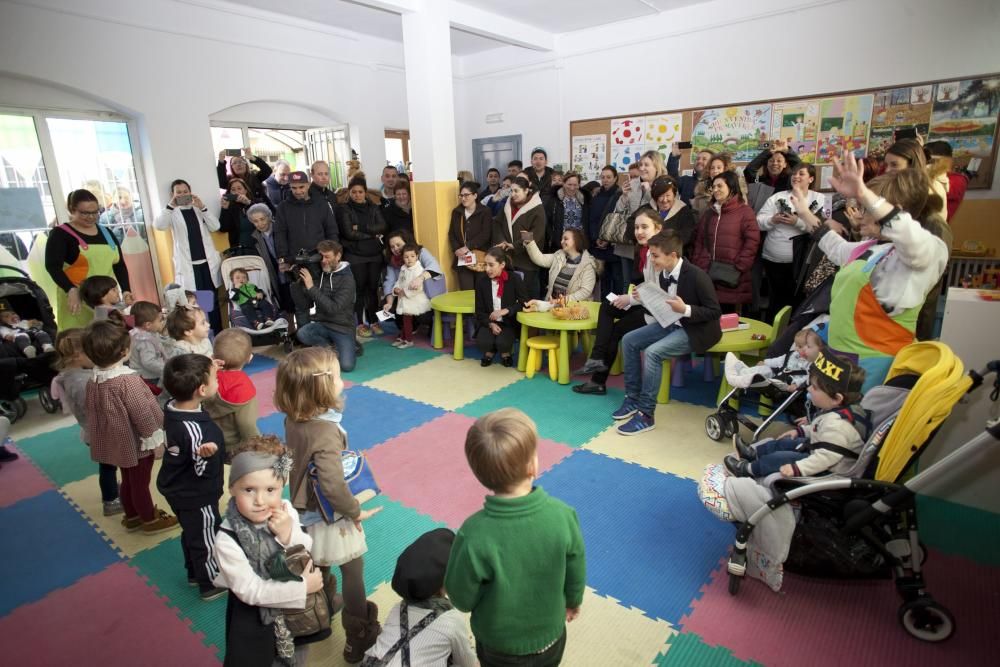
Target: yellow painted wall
{"points": [[164, 243], [433, 203], [978, 220]]}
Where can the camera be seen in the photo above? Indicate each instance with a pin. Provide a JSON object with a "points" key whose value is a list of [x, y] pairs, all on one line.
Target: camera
{"points": [[783, 206], [229, 196], [303, 260]]}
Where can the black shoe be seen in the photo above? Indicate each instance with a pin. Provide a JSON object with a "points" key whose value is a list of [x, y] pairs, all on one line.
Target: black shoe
{"points": [[507, 361], [737, 467], [590, 388], [486, 361], [591, 366], [210, 594], [743, 450], [6, 456]]}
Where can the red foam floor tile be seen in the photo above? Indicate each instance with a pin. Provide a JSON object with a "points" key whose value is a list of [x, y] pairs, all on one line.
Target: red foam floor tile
{"points": [[20, 479]]}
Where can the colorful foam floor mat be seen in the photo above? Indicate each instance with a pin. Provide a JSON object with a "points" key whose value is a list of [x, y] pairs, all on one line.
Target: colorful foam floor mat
{"points": [[656, 590]]}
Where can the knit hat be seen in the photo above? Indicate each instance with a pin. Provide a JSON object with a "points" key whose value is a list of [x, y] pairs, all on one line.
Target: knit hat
{"points": [[420, 568]]}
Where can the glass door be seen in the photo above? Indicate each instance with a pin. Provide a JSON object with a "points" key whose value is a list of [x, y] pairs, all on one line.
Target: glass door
{"points": [[329, 144]]}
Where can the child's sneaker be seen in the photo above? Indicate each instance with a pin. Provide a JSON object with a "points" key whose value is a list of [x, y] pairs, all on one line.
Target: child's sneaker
{"points": [[397, 342], [261, 326], [377, 329], [30, 352], [364, 331], [113, 507], [639, 423], [132, 524], [213, 593], [405, 344], [163, 522]]}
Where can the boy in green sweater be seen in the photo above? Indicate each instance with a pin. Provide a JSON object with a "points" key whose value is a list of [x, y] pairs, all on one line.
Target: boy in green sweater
{"points": [[518, 564]]}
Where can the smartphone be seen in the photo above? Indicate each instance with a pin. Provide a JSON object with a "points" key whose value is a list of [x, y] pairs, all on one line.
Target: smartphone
{"points": [[184, 200], [684, 144], [230, 197], [765, 145], [233, 152], [906, 133]]}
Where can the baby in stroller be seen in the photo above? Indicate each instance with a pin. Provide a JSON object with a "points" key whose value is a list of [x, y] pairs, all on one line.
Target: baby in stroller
{"points": [[26, 335], [832, 440], [787, 372], [251, 300]]}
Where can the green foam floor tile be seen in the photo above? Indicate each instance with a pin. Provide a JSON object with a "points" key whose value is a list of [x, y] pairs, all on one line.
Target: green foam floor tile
{"points": [[959, 529], [163, 567], [387, 534], [60, 454], [561, 415], [688, 650], [381, 358]]}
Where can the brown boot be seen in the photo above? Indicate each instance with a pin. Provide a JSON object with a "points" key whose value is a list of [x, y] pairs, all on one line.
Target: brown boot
{"points": [[361, 633]]}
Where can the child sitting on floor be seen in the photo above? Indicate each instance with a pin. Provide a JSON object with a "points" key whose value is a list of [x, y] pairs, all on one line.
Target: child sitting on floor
{"points": [[124, 425], [408, 294], [521, 591], [102, 294], [251, 300], [257, 526], [829, 444], [425, 610], [188, 329], [149, 352], [234, 407], [70, 388], [27, 335], [789, 371]]}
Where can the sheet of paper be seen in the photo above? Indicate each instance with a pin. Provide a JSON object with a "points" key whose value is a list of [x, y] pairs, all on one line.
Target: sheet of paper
{"points": [[611, 297], [382, 315], [468, 259], [655, 301]]}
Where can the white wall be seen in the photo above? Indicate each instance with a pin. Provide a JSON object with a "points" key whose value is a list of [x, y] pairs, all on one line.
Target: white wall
{"points": [[726, 51], [172, 64]]}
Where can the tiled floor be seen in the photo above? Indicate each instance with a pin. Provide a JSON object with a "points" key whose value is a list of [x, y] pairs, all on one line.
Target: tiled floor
{"points": [[656, 589]]}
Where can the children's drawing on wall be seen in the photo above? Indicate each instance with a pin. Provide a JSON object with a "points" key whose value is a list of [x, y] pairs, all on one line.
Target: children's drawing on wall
{"points": [[623, 156], [589, 155], [627, 132], [738, 131], [843, 126], [965, 115], [797, 122]]}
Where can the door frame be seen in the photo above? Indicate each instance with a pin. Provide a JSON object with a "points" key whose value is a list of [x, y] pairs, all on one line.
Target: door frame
{"points": [[477, 164]]}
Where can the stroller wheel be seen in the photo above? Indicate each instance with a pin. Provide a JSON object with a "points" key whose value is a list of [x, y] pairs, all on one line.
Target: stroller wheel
{"points": [[734, 584], [22, 407], [49, 404], [8, 409], [926, 620], [713, 426]]}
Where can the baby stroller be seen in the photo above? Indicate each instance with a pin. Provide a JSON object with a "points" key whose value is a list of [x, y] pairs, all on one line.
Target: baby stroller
{"points": [[256, 268], [19, 373], [864, 524]]}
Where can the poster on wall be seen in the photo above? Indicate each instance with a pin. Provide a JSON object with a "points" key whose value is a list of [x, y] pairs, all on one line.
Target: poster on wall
{"points": [[843, 125], [623, 156], [897, 109], [627, 132], [797, 122], [965, 115], [662, 130], [734, 130], [589, 156]]}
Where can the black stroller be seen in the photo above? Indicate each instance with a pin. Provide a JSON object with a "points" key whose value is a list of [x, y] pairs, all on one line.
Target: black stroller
{"points": [[19, 373], [864, 524]]}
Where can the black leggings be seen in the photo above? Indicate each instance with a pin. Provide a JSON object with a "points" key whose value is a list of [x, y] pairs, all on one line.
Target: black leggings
{"points": [[366, 283], [780, 286], [612, 325], [488, 343]]}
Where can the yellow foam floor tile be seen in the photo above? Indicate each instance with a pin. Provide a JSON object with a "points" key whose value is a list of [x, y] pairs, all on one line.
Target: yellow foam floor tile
{"points": [[446, 383], [678, 445], [86, 493], [36, 421], [606, 633]]}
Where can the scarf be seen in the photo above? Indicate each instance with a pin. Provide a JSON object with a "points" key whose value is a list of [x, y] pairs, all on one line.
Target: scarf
{"points": [[643, 255], [501, 280], [259, 546], [396, 261]]}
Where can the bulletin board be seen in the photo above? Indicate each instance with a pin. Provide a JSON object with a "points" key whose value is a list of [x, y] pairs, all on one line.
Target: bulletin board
{"points": [[962, 111]]}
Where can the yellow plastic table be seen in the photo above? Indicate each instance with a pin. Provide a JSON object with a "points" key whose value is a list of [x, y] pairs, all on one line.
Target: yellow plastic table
{"points": [[549, 322], [459, 303], [740, 341]]}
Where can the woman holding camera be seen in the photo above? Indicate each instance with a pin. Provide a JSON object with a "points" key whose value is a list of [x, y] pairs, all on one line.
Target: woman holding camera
{"points": [[783, 226], [239, 167], [233, 215], [196, 261], [361, 223]]}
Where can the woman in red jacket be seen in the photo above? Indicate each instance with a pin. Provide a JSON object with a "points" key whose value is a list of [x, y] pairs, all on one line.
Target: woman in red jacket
{"points": [[728, 237]]}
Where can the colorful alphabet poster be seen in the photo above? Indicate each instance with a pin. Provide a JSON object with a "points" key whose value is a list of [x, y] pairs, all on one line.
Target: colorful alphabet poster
{"points": [[843, 125], [627, 132], [662, 130], [738, 131], [797, 123], [623, 156], [589, 156], [965, 115]]}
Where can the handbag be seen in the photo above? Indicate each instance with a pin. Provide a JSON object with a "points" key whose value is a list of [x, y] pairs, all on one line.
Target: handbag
{"points": [[289, 565], [358, 475], [613, 228], [721, 273]]}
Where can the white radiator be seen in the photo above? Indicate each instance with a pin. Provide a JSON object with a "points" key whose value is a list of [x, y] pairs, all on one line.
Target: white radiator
{"points": [[960, 267]]}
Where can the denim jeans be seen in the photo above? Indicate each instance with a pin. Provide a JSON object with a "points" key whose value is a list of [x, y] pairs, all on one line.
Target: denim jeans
{"points": [[642, 383], [773, 454], [315, 334]]}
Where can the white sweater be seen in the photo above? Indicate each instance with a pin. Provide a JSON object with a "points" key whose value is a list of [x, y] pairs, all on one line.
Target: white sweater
{"points": [[778, 244], [916, 261]]}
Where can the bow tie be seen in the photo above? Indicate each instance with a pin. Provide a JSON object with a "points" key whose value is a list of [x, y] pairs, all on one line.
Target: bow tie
{"points": [[665, 283]]}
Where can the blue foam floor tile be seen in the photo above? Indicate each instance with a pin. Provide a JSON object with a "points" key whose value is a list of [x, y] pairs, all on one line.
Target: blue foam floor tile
{"points": [[260, 362], [370, 417], [650, 543], [32, 563]]}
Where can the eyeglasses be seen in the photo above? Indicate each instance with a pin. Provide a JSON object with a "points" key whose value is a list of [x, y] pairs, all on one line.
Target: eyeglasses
{"points": [[88, 214], [466, 194]]}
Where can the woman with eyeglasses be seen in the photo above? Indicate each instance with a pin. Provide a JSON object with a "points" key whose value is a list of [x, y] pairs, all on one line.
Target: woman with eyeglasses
{"points": [[470, 231], [726, 242], [77, 250]]}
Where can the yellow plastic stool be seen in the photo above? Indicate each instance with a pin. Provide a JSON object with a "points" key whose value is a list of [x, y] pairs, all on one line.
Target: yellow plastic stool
{"points": [[534, 362]]}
